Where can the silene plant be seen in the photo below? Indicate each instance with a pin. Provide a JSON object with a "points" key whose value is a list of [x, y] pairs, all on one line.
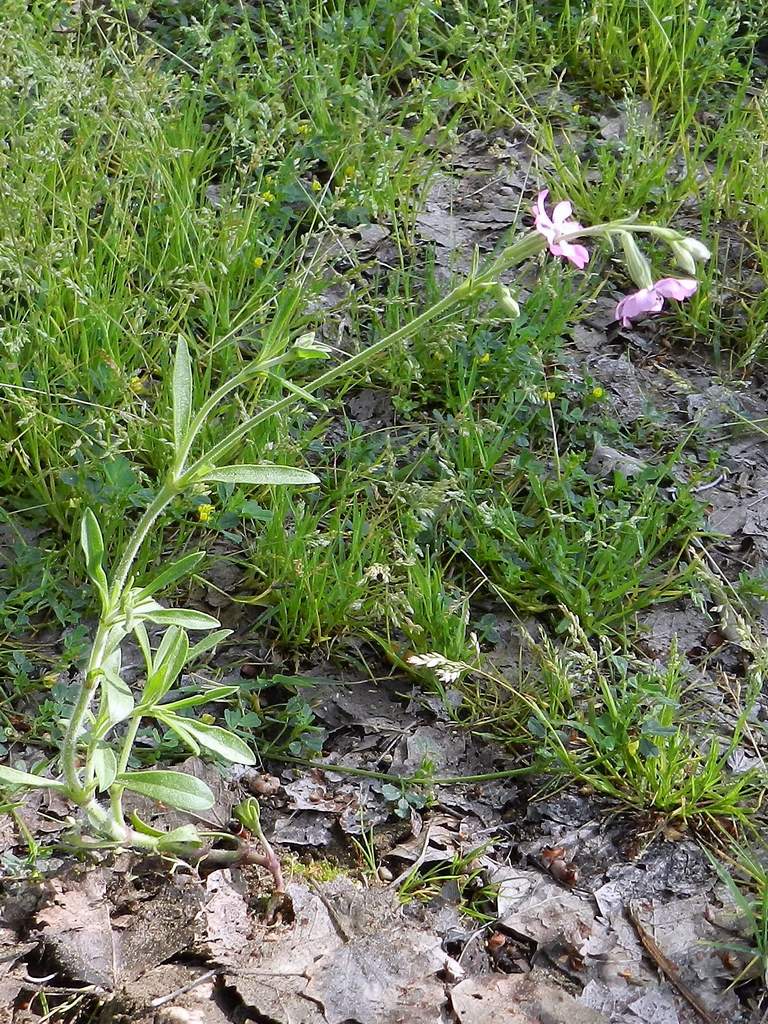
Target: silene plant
{"points": [[94, 768]]}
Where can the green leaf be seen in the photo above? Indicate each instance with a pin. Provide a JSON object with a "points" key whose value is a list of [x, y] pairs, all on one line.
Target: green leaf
{"points": [[12, 777], [183, 567], [184, 792], [182, 617], [308, 347], [212, 737], [166, 645], [143, 827], [261, 474], [176, 725], [216, 693], [169, 661], [182, 392], [142, 639], [92, 544], [105, 767], [208, 643], [172, 653], [175, 658], [184, 835], [118, 699]]}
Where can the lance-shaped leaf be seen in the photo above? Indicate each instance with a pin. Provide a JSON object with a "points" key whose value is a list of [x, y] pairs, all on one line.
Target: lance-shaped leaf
{"points": [[184, 835], [176, 570], [182, 392], [13, 777], [117, 699], [208, 643], [92, 544], [142, 639], [215, 693], [105, 767], [260, 474], [169, 661], [183, 617], [212, 737], [184, 792]]}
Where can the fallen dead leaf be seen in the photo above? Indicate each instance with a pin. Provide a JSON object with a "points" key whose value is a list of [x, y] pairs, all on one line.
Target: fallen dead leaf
{"points": [[350, 955], [518, 999], [79, 934]]}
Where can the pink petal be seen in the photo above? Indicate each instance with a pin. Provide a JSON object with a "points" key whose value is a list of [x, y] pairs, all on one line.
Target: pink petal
{"points": [[561, 213], [577, 254], [539, 210], [676, 288], [647, 300]]}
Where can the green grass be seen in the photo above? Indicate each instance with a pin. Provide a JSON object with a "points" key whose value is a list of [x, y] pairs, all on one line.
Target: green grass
{"points": [[186, 169]]}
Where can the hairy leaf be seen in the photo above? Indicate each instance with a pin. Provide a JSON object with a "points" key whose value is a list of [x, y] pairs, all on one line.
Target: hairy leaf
{"points": [[261, 474], [214, 738], [92, 544], [176, 570], [186, 618], [105, 766], [12, 777], [182, 392], [216, 693], [184, 792], [208, 643]]}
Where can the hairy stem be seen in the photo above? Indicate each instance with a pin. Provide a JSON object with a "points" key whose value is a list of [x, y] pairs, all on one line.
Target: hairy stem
{"points": [[163, 497], [69, 759], [75, 789], [526, 247], [116, 792]]}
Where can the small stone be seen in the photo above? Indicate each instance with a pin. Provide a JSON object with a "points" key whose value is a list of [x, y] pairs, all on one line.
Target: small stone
{"points": [[261, 785]]}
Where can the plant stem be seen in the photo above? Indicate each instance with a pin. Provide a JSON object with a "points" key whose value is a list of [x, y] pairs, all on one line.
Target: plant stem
{"points": [[402, 780], [526, 247], [163, 497], [116, 792], [75, 790]]}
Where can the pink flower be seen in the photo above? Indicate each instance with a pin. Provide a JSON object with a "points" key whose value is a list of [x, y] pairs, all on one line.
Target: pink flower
{"points": [[557, 227], [650, 300]]}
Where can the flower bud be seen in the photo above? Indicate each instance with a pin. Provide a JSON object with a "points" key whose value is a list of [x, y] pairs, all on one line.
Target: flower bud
{"points": [[638, 266], [505, 300], [683, 258], [695, 248]]}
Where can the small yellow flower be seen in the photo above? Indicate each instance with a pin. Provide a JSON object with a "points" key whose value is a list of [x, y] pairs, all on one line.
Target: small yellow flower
{"points": [[349, 172], [205, 513], [548, 396], [598, 392], [207, 719], [136, 384], [268, 197], [316, 185], [484, 358], [258, 262], [303, 128], [576, 108]]}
